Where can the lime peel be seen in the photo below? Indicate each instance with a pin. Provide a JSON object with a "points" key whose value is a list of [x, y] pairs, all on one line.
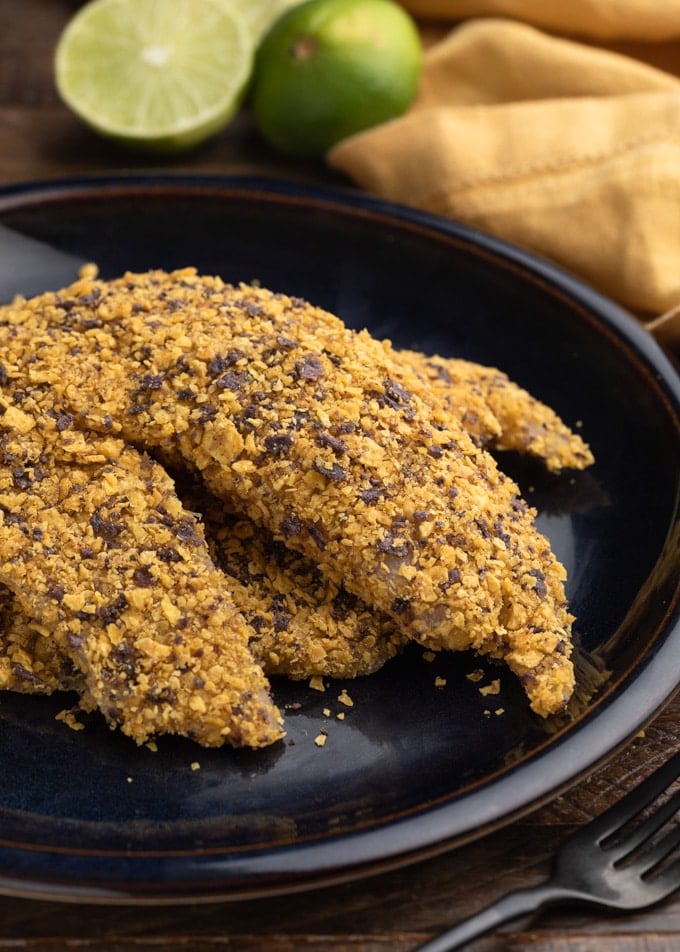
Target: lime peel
{"points": [[330, 68]]}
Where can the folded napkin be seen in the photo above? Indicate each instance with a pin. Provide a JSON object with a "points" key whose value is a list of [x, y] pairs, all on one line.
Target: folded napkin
{"points": [[567, 148], [604, 19]]}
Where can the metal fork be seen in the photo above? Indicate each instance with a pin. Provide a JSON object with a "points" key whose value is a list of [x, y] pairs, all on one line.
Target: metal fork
{"points": [[606, 863]]}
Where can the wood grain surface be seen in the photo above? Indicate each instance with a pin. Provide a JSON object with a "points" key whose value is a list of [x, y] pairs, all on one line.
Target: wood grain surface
{"points": [[391, 912]]}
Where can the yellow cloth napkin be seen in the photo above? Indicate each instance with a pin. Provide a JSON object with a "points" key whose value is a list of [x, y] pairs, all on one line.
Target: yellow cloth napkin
{"points": [[604, 19], [566, 148]]}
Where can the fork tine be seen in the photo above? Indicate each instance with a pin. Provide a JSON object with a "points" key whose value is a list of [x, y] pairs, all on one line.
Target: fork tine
{"points": [[651, 858], [653, 823], [666, 882], [635, 801]]}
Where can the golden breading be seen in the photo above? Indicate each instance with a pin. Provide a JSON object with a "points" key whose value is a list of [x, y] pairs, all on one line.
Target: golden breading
{"points": [[101, 556], [31, 662], [321, 435], [303, 624], [499, 413]]}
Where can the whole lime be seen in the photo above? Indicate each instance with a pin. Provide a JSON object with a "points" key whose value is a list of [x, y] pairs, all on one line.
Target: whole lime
{"points": [[330, 68]]}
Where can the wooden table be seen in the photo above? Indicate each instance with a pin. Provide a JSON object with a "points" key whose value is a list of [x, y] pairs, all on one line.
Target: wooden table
{"points": [[392, 912]]}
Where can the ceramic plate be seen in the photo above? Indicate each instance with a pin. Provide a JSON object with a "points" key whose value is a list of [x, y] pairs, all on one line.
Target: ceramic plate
{"points": [[412, 769]]}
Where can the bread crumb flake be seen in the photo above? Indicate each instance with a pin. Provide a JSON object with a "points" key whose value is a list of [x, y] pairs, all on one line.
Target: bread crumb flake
{"points": [[475, 675], [316, 683], [429, 656], [68, 717], [440, 682], [320, 739], [493, 688], [88, 271], [345, 699], [195, 765]]}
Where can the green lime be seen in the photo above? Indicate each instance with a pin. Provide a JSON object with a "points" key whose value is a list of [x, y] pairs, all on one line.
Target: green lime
{"points": [[330, 68], [157, 74]]}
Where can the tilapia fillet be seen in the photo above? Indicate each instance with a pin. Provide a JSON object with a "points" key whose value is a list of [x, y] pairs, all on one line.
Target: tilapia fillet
{"points": [[300, 624], [321, 435], [103, 559], [499, 413]]}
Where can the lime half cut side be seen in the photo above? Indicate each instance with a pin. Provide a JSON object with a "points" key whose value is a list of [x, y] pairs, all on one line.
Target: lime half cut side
{"points": [[157, 74]]}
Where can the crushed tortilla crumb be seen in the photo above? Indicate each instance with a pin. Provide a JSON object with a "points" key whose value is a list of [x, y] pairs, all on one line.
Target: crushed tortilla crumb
{"points": [[69, 718], [475, 675], [493, 688], [88, 271]]}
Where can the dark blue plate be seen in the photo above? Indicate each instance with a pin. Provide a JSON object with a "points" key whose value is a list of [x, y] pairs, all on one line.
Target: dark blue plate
{"points": [[412, 769]]}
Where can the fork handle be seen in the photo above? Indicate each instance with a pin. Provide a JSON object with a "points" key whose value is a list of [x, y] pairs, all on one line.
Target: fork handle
{"points": [[508, 907]]}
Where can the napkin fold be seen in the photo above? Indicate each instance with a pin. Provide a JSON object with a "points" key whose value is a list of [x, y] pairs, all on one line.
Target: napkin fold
{"points": [[567, 148], [602, 19]]}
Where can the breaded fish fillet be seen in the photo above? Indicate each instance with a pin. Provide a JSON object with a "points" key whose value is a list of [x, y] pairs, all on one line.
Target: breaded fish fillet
{"points": [[321, 435], [303, 624], [101, 556], [499, 413]]}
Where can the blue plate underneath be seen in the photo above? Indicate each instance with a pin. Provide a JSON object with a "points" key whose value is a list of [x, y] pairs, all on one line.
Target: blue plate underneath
{"points": [[412, 769]]}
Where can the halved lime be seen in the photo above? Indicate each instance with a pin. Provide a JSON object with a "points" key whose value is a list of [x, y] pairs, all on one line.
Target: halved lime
{"points": [[157, 74]]}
